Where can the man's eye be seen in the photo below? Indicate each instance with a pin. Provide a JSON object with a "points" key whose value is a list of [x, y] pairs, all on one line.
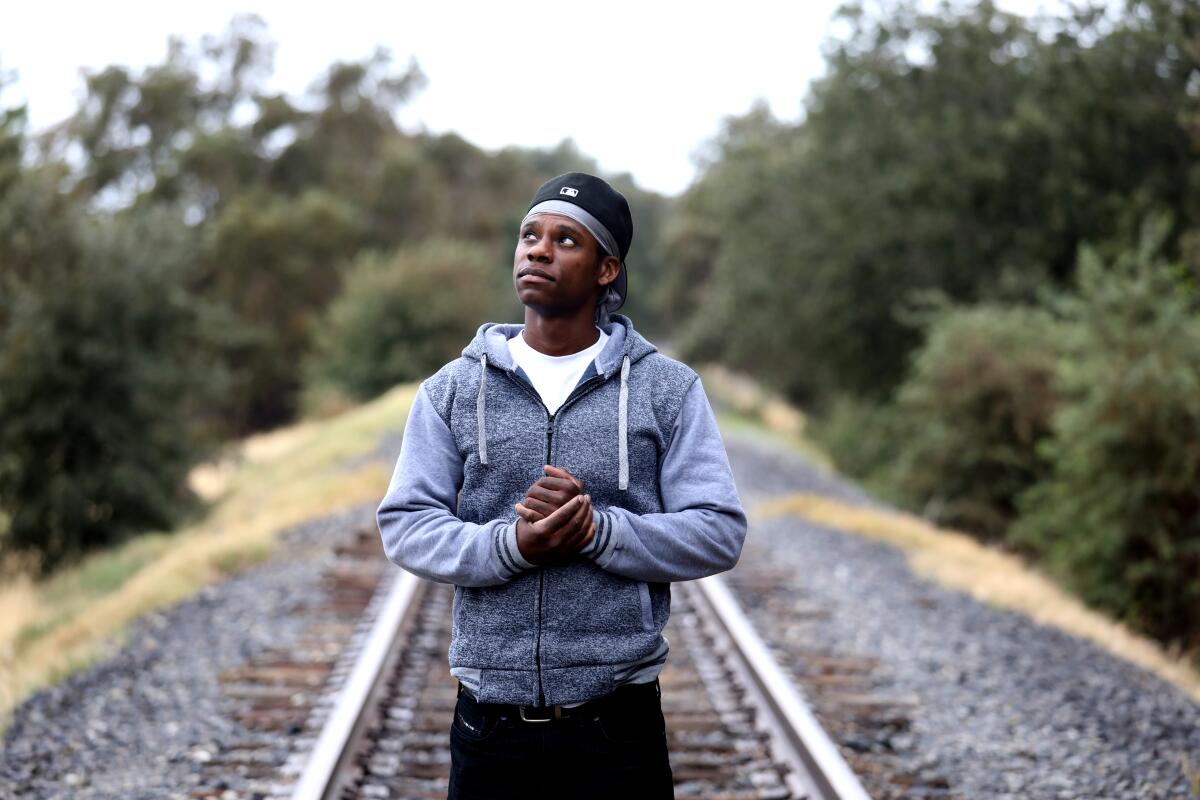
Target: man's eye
{"points": [[529, 235], [567, 240]]}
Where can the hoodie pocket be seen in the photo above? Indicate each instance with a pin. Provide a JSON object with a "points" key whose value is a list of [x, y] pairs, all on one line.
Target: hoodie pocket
{"points": [[647, 610], [495, 627]]}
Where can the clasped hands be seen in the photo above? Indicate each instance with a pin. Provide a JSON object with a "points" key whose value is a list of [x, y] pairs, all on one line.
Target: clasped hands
{"points": [[555, 520]]}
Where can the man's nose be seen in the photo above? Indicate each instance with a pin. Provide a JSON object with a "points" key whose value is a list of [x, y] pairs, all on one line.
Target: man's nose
{"points": [[540, 249]]}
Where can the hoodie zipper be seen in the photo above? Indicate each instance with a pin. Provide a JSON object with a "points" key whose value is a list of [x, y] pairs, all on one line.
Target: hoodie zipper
{"points": [[537, 648], [575, 394]]}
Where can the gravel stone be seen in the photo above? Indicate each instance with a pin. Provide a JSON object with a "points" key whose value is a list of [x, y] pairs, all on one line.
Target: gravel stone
{"points": [[1007, 708], [143, 723], [1003, 707]]}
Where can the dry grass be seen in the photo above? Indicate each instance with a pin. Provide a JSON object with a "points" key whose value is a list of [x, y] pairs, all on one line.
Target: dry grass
{"points": [[266, 484], [18, 605], [1191, 771], [744, 406], [959, 562]]}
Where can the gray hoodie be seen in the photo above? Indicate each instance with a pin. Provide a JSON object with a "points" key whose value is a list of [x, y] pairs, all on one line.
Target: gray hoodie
{"points": [[639, 433]]}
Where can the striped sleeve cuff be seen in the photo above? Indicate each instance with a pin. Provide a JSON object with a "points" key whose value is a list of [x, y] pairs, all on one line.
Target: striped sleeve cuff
{"points": [[602, 545], [508, 555]]}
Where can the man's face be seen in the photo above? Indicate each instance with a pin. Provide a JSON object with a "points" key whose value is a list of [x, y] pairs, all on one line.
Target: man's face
{"points": [[556, 266]]}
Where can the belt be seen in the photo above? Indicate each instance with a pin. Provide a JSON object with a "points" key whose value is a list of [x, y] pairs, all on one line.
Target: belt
{"points": [[627, 693]]}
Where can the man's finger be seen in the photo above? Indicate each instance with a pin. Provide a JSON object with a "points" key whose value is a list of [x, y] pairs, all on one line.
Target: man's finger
{"points": [[579, 520], [528, 514], [559, 472], [540, 506], [557, 498], [556, 484], [587, 537], [578, 540], [561, 516], [576, 533], [556, 487]]}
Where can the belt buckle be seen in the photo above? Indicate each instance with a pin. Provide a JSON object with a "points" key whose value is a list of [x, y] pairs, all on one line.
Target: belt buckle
{"points": [[557, 714]]}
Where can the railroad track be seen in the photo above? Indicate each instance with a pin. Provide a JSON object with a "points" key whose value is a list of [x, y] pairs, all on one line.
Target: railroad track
{"points": [[737, 729], [277, 699]]}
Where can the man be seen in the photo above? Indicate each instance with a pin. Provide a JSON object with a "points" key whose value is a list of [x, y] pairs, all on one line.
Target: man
{"points": [[561, 474]]}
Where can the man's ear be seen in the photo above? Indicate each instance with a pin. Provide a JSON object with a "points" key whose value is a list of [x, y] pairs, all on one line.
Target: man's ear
{"points": [[610, 268]]}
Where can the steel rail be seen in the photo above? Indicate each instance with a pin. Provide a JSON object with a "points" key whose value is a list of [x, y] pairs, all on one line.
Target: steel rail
{"points": [[816, 769], [797, 735], [331, 763]]}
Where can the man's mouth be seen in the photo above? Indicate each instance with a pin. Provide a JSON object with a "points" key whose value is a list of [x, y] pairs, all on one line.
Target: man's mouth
{"points": [[534, 274]]}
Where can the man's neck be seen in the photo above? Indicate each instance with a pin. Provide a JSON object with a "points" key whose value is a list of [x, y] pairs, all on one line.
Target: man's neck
{"points": [[559, 336]]}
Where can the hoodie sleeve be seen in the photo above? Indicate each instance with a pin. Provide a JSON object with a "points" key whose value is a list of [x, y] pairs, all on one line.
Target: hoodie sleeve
{"points": [[701, 530], [417, 521]]}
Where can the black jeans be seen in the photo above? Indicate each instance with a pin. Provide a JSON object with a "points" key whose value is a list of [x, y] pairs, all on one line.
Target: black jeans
{"points": [[616, 750]]}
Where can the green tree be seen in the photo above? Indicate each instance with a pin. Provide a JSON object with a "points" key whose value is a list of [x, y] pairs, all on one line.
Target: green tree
{"points": [[172, 131], [282, 192], [1119, 517], [967, 150], [274, 260], [339, 143], [12, 140], [738, 284], [401, 316], [106, 361], [980, 397]]}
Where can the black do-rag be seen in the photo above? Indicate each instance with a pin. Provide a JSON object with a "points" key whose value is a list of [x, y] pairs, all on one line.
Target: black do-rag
{"points": [[604, 203]]}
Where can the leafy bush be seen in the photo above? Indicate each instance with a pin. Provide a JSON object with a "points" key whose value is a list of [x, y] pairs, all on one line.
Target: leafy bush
{"points": [[863, 438], [1119, 517], [103, 367], [979, 398], [273, 261], [402, 316], [953, 146]]}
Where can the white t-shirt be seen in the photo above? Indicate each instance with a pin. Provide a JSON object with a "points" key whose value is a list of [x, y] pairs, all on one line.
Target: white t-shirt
{"points": [[554, 377]]}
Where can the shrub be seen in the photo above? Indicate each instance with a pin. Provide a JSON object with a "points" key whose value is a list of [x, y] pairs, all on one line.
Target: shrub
{"points": [[1119, 517], [402, 316], [977, 401], [102, 367], [863, 436], [273, 260]]}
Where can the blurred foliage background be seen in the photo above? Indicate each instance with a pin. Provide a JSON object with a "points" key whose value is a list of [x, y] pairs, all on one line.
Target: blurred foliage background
{"points": [[974, 261]]}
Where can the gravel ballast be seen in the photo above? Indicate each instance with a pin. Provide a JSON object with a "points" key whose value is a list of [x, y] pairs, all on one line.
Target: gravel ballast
{"points": [[1005, 708], [143, 723]]}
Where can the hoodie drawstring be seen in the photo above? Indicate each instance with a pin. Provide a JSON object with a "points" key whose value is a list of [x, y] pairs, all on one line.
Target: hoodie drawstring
{"points": [[623, 422], [481, 408]]}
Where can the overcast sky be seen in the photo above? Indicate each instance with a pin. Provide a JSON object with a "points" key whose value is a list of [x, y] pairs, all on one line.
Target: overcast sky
{"points": [[639, 86]]}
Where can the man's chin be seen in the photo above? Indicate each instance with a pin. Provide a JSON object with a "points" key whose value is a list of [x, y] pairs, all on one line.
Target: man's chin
{"points": [[551, 311]]}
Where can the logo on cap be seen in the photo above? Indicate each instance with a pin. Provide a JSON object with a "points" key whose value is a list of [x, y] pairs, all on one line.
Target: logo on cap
{"points": [[569, 192]]}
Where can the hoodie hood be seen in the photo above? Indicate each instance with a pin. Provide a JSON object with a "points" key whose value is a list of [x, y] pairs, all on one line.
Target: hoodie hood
{"points": [[492, 340], [625, 346]]}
